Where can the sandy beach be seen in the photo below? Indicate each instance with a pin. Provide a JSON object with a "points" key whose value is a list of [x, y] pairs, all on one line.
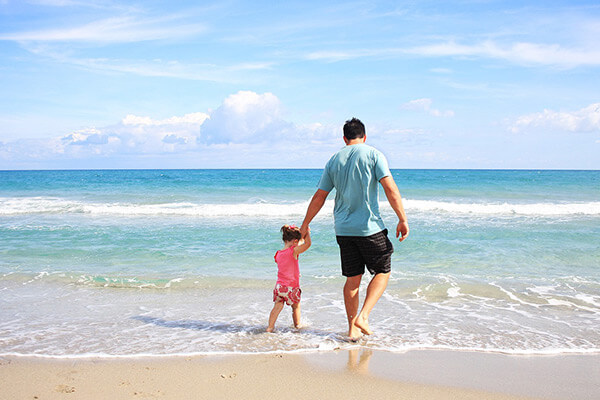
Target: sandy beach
{"points": [[356, 373]]}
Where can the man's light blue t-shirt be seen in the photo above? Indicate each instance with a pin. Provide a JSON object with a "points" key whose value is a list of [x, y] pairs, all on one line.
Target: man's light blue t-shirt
{"points": [[355, 172]]}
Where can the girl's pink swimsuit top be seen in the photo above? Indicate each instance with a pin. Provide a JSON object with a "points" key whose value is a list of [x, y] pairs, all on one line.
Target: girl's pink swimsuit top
{"points": [[288, 273]]}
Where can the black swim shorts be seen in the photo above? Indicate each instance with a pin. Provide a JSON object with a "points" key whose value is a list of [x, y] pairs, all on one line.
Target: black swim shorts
{"points": [[374, 252]]}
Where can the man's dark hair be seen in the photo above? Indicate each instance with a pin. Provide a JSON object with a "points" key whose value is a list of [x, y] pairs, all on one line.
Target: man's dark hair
{"points": [[354, 129]]}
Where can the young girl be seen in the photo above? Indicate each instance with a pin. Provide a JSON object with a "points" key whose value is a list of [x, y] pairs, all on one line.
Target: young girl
{"points": [[287, 289]]}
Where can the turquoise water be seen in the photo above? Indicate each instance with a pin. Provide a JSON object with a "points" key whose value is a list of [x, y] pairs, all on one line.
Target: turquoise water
{"points": [[130, 262]]}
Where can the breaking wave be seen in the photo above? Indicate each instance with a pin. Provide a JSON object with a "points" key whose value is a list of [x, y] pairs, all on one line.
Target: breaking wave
{"points": [[51, 205]]}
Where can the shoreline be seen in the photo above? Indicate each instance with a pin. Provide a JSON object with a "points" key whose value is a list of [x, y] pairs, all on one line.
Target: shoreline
{"points": [[355, 373], [306, 352]]}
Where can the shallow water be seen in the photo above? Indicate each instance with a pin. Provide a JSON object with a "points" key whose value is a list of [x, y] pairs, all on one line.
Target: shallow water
{"points": [[181, 262]]}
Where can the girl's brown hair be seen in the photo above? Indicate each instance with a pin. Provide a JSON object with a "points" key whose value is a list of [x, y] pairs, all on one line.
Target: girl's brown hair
{"points": [[290, 232]]}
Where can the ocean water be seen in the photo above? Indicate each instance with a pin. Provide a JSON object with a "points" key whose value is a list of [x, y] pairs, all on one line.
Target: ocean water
{"points": [[164, 262]]}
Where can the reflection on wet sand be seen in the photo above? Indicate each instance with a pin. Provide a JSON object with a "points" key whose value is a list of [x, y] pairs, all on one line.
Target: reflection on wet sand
{"points": [[358, 360]]}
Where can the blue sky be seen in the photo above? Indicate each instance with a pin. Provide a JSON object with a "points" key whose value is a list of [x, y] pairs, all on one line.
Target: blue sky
{"points": [[240, 84]]}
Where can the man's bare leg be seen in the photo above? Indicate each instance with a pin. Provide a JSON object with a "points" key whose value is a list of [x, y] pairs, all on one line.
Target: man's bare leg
{"points": [[351, 301], [374, 291]]}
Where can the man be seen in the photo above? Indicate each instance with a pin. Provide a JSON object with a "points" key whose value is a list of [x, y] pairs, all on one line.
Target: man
{"points": [[354, 172]]}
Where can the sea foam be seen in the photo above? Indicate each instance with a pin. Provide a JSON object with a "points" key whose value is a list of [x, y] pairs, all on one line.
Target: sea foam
{"points": [[50, 205]]}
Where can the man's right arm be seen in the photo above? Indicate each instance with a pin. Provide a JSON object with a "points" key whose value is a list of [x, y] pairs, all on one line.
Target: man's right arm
{"points": [[316, 203], [393, 195]]}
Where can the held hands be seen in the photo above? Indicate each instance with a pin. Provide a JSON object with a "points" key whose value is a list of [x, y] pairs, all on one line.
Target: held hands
{"points": [[304, 231], [402, 228]]}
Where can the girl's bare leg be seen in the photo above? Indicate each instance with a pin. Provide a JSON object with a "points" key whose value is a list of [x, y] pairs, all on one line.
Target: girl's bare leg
{"points": [[277, 307], [296, 315]]}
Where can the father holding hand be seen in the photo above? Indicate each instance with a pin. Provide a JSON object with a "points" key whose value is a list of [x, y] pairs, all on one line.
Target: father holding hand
{"points": [[354, 172]]}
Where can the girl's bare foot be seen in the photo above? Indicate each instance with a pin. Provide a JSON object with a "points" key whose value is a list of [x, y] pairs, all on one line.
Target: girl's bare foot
{"points": [[363, 324], [270, 330]]}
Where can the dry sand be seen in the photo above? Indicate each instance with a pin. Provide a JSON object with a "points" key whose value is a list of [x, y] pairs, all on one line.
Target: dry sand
{"points": [[353, 374]]}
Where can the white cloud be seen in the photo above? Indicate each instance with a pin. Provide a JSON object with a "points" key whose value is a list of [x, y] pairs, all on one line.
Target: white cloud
{"points": [[405, 131], [522, 53], [113, 30], [59, 3], [425, 105], [193, 118], [245, 117], [246, 126], [519, 53], [335, 55], [441, 70], [138, 135], [83, 137], [174, 139], [585, 120], [418, 104], [234, 73]]}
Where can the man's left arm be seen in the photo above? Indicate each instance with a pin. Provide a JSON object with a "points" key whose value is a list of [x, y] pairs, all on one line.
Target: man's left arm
{"points": [[393, 195], [315, 205]]}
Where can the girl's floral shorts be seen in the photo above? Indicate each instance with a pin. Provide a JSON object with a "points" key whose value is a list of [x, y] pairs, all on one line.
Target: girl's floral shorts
{"points": [[287, 294]]}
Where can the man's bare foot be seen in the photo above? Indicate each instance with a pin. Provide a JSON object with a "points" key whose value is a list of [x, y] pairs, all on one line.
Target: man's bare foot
{"points": [[270, 330], [363, 324], [354, 334]]}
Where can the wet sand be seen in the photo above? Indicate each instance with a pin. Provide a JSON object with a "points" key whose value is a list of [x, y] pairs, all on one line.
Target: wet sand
{"points": [[352, 374]]}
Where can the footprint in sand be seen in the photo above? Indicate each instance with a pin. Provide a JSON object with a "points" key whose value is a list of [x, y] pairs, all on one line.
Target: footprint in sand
{"points": [[65, 389], [148, 395]]}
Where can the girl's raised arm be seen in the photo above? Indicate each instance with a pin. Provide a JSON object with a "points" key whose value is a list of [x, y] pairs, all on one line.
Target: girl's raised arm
{"points": [[304, 246]]}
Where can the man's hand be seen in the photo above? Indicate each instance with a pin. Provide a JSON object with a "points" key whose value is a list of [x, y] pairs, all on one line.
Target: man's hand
{"points": [[304, 230], [402, 228], [393, 195]]}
